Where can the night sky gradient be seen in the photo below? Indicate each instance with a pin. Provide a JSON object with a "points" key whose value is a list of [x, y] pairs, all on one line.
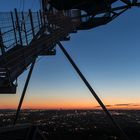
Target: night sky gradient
{"points": [[109, 57]]}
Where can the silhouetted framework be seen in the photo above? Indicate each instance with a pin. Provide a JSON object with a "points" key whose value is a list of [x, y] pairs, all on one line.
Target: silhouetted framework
{"points": [[26, 35], [93, 13], [29, 39]]}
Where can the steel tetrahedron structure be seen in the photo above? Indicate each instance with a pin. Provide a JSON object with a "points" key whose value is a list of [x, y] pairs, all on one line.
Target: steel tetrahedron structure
{"points": [[24, 36]]}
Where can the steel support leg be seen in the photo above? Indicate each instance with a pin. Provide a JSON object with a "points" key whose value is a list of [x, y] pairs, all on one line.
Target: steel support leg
{"points": [[92, 91], [24, 92]]}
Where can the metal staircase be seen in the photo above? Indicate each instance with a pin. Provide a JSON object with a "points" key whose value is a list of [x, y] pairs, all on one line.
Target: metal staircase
{"points": [[38, 40], [26, 35]]}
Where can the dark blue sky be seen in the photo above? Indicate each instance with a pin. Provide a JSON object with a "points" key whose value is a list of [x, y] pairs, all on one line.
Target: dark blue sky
{"points": [[8, 5], [109, 56]]}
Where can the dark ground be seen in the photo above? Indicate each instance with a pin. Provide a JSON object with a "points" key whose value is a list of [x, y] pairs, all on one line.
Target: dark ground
{"points": [[78, 124]]}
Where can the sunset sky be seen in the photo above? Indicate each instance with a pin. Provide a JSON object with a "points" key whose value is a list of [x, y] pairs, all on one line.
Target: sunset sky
{"points": [[108, 56]]}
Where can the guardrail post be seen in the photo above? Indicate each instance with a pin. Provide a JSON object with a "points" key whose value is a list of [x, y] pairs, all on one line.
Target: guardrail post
{"points": [[31, 21], [1, 43], [41, 19], [38, 19], [24, 26], [14, 29], [18, 27]]}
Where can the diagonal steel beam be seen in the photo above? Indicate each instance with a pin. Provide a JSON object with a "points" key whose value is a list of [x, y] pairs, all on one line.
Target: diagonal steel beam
{"points": [[24, 92], [92, 91]]}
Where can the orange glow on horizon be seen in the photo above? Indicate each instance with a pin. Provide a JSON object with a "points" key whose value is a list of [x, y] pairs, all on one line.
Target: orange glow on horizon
{"points": [[68, 104]]}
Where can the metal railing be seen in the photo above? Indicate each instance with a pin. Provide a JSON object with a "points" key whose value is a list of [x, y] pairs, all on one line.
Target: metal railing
{"points": [[15, 28]]}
